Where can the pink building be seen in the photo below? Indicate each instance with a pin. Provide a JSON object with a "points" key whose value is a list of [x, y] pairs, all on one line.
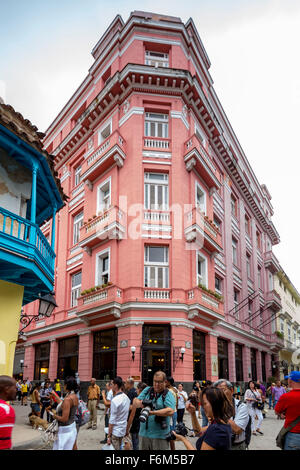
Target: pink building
{"points": [[164, 250]]}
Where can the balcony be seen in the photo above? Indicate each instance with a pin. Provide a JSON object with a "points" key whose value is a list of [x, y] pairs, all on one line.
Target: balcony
{"points": [[276, 343], [109, 224], [26, 256], [111, 151], [289, 345], [273, 300], [157, 143], [271, 262], [195, 156], [198, 228]]}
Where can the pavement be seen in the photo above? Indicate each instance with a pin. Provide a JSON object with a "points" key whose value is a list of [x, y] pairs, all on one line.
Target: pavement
{"points": [[26, 438]]}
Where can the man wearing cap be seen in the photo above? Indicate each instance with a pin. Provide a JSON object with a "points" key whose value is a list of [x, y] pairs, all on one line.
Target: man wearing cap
{"points": [[289, 405]]}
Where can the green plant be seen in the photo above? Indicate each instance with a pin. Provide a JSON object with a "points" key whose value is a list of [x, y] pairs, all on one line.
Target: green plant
{"points": [[279, 334]]}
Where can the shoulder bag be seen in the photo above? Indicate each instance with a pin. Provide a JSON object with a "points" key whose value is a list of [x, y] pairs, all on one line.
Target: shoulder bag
{"points": [[280, 439], [257, 404]]}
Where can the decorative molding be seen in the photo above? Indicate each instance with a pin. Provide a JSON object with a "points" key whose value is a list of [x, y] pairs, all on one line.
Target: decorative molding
{"points": [[189, 165], [135, 110]]}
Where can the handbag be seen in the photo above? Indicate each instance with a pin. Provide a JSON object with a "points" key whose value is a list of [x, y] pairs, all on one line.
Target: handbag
{"points": [[257, 404], [280, 438]]}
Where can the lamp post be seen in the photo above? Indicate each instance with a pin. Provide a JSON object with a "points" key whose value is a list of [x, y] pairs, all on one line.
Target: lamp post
{"points": [[46, 306]]}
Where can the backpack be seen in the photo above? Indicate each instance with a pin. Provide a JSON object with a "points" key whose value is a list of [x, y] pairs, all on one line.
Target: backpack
{"points": [[248, 432], [82, 415]]}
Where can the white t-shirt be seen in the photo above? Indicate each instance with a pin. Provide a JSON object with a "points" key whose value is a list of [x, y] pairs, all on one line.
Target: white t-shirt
{"points": [[181, 402], [241, 419], [109, 397], [119, 409]]}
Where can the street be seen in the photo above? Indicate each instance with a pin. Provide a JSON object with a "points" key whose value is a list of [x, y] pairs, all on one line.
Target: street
{"points": [[24, 437]]}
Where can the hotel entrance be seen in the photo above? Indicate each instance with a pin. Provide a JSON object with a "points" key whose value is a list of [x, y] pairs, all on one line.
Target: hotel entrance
{"points": [[156, 351]]}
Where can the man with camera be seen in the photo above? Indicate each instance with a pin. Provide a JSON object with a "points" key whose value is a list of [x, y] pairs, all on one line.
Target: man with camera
{"points": [[158, 405]]}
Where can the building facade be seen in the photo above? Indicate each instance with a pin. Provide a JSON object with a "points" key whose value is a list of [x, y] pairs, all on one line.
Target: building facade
{"points": [[30, 193], [288, 324], [165, 247]]}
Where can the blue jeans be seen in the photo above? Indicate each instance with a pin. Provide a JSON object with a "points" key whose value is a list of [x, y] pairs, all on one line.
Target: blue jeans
{"points": [[135, 440], [270, 401], [204, 418], [292, 441], [174, 421]]}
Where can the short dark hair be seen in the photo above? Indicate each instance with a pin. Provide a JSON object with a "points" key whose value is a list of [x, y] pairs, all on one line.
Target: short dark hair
{"points": [[118, 381], [141, 386], [171, 380], [251, 381], [71, 384], [221, 408]]}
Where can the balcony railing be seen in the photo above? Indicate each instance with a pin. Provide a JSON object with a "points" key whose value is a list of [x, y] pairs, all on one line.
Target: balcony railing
{"points": [[157, 143], [196, 156], [273, 300], [157, 294], [271, 262], [110, 224], [110, 151], [25, 238], [157, 216], [197, 225]]}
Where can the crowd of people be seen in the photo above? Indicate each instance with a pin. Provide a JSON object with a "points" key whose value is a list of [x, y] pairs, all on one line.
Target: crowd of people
{"points": [[144, 417]]}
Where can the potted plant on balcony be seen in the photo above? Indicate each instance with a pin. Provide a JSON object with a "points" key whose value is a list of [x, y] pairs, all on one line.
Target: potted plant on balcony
{"points": [[279, 334]]}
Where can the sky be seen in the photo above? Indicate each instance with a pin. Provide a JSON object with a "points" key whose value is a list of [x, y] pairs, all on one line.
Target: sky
{"points": [[253, 47]]}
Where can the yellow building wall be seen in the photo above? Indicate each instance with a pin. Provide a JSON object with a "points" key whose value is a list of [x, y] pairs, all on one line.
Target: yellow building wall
{"points": [[11, 298]]}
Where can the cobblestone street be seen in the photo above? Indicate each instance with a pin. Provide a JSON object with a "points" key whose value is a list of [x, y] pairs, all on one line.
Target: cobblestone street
{"points": [[24, 437]]}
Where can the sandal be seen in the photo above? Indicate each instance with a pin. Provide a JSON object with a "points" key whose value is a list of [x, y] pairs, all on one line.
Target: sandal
{"points": [[254, 433], [260, 432]]}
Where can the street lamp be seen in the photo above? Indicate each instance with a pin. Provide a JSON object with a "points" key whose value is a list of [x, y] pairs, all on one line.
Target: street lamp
{"points": [[46, 306], [133, 349], [182, 351]]}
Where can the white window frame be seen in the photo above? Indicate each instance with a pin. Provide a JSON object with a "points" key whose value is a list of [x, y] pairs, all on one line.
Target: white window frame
{"points": [[102, 129], [149, 180], [248, 265], [156, 59], [77, 223], [102, 254], [234, 200], [236, 302], [203, 206], [75, 290], [234, 244], [219, 291], [282, 326], [100, 205], [270, 281], [199, 133], [157, 119], [202, 279], [156, 265], [77, 175]]}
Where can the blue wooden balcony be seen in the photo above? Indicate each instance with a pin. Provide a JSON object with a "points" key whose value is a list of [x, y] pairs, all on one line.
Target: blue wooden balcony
{"points": [[26, 256]]}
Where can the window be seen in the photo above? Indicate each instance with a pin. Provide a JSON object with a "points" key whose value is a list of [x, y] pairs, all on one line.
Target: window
{"points": [[200, 198], [199, 355], [217, 223], [67, 364], [104, 195], [218, 285], [253, 364], [233, 206], [201, 270], [77, 223], [270, 281], [76, 288], [247, 225], [258, 239], [261, 316], [295, 335], [248, 265], [157, 125], [250, 311], [199, 134], [103, 268], [281, 326], [239, 362], [77, 175], [156, 266], [42, 355], [289, 333], [236, 296], [156, 186], [105, 354], [259, 277], [156, 59], [234, 252], [104, 132]]}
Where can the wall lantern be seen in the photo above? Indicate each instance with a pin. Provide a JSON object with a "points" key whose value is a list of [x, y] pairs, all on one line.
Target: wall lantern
{"points": [[182, 351], [133, 349], [46, 306]]}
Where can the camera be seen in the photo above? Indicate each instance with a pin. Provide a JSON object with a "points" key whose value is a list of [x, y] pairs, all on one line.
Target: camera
{"points": [[162, 421], [193, 400], [148, 406], [179, 429]]}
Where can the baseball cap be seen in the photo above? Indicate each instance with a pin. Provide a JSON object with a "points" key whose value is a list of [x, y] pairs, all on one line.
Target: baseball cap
{"points": [[294, 376]]}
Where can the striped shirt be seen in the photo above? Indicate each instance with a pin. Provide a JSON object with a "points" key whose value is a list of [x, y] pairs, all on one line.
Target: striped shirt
{"points": [[7, 421]]}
